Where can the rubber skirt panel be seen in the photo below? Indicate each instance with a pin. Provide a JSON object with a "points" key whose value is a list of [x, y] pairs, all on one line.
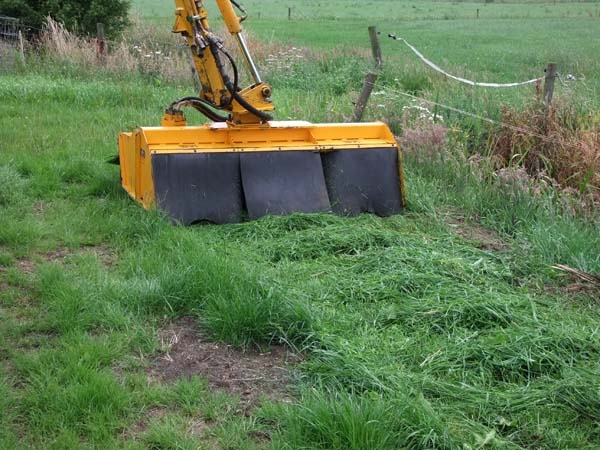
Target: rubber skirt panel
{"points": [[283, 182], [199, 187], [363, 180]]}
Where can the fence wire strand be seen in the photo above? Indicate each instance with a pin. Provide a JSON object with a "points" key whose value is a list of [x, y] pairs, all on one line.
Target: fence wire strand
{"points": [[527, 131]]}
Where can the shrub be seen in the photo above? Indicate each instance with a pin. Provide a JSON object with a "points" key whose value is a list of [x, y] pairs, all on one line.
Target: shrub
{"points": [[77, 15]]}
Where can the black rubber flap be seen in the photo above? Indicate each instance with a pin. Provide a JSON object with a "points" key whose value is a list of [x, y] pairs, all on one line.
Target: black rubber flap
{"points": [[363, 180], [283, 182], [199, 187]]}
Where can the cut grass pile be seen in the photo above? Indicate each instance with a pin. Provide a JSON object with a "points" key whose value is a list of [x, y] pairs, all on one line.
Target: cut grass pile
{"points": [[436, 331]]}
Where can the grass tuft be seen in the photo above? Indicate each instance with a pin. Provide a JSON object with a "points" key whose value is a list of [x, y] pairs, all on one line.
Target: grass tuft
{"points": [[169, 433], [340, 422], [12, 186], [230, 298]]}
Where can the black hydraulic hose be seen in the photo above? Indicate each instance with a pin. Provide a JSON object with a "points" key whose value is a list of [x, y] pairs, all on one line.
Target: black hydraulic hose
{"points": [[241, 9], [237, 5], [241, 100], [258, 113], [236, 78], [204, 106], [201, 105], [215, 46]]}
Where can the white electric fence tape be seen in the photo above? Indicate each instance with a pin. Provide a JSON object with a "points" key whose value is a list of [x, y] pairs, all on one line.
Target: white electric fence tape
{"points": [[462, 80]]}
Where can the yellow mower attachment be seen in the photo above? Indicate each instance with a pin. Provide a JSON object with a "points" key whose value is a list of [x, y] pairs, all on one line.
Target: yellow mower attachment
{"points": [[244, 165], [222, 174]]}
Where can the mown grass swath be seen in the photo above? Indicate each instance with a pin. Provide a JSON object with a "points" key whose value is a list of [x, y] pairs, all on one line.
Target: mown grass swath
{"points": [[443, 328]]}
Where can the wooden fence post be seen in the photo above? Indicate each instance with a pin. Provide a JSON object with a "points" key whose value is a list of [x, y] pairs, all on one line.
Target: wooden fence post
{"points": [[21, 46], [289, 13], [375, 47], [549, 84], [364, 96], [101, 50]]}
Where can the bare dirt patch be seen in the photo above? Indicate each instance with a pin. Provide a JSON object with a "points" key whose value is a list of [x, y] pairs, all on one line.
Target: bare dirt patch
{"points": [[59, 255], [62, 255], [195, 427], [576, 292], [107, 256], [248, 375], [26, 266], [153, 414], [39, 208], [483, 238], [104, 254]]}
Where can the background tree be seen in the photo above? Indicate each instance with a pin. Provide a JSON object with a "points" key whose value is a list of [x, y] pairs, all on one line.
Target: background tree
{"points": [[29, 12], [80, 16]]}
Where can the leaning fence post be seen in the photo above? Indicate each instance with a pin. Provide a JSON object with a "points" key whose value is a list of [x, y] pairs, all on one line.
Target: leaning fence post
{"points": [[375, 47], [549, 84], [364, 96]]}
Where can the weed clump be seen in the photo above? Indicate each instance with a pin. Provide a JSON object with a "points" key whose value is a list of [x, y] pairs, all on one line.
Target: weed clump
{"points": [[423, 139], [557, 143]]}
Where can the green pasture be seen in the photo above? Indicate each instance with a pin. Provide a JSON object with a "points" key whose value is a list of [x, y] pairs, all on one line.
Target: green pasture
{"points": [[391, 9]]}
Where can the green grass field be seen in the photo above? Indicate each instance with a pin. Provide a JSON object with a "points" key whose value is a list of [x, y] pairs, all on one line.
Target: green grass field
{"points": [[445, 328], [392, 9]]}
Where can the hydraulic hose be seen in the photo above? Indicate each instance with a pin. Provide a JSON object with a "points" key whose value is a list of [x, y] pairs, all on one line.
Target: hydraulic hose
{"points": [[241, 9], [234, 91], [200, 105], [258, 113], [202, 108], [235, 87]]}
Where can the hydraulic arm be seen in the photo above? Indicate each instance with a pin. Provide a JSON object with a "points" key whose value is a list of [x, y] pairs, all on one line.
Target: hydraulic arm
{"points": [[212, 61]]}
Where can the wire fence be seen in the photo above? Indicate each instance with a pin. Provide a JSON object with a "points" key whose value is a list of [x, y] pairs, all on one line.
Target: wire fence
{"points": [[423, 105], [9, 28], [462, 112]]}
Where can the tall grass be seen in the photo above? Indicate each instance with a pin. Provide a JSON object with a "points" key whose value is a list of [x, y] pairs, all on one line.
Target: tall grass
{"points": [[144, 50]]}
